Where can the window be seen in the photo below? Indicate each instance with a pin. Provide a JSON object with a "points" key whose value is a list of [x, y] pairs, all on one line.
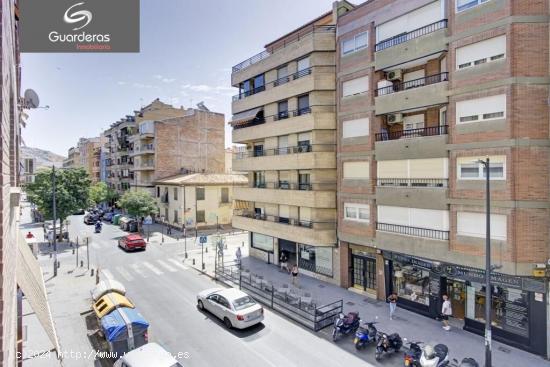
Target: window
{"points": [[481, 109], [259, 179], [355, 128], [225, 195], [355, 86], [262, 242], [358, 170], [158, 191], [283, 145], [467, 4], [357, 212], [414, 217], [259, 82], [303, 105], [411, 282], [282, 75], [473, 225], [315, 259], [199, 193], [200, 216], [303, 64], [175, 193], [282, 109], [358, 42], [481, 52], [470, 169], [304, 181], [304, 139], [175, 216]]}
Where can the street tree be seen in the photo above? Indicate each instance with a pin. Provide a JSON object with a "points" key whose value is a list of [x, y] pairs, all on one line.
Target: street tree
{"points": [[99, 193], [137, 203]]}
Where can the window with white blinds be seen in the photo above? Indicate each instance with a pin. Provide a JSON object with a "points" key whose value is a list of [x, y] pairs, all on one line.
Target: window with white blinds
{"points": [[469, 168], [473, 225], [358, 170], [467, 4], [357, 212], [284, 211], [414, 168], [355, 86], [481, 109], [482, 52], [356, 43], [418, 18], [414, 217], [355, 128]]}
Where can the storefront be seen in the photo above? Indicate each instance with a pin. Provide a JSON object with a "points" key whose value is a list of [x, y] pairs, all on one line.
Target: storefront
{"points": [[363, 269], [518, 303], [289, 248], [316, 259]]}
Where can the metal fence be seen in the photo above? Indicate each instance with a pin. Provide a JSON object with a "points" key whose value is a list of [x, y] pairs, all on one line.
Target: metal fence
{"points": [[303, 310]]}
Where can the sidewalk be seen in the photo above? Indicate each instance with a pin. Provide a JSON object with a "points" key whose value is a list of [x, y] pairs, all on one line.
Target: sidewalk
{"points": [[158, 233]]}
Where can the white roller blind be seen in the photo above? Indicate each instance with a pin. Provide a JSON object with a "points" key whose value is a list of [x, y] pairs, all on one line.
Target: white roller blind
{"points": [[393, 169], [304, 136], [414, 217], [393, 215], [284, 211], [305, 213], [480, 109], [418, 18], [473, 225], [467, 56], [429, 168], [355, 86], [283, 141], [414, 75], [357, 170], [354, 128], [303, 64]]}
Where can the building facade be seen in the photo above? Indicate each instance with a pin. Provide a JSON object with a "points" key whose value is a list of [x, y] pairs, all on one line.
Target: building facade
{"points": [[425, 90], [285, 114], [28, 170], [73, 158], [197, 200]]}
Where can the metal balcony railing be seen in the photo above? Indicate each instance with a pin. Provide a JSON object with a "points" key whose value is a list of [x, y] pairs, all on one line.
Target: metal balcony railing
{"points": [[290, 221], [319, 186], [282, 115], [286, 150], [412, 133], [413, 231], [412, 182], [416, 83], [407, 36]]}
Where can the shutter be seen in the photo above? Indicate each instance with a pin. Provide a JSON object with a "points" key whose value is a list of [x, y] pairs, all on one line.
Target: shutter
{"points": [[414, 75], [470, 224], [480, 106], [393, 215], [284, 211], [353, 128], [392, 169], [355, 86], [304, 136], [303, 64], [481, 50], [283, 141], [282, 72], [428, 168], [356, 170], [499, 226], [421, 17], [429, 218], [305, 213]]}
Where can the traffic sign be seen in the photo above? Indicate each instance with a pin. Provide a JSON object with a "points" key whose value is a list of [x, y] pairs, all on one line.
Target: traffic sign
{"points": [[148, 220], [203, 239]]}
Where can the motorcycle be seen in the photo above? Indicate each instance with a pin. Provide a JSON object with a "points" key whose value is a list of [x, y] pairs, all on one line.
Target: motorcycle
{"points": [[98, 227], [365, 335], [387, 343], [345, 324], [437, 356], [412, 356], [466, 362]]}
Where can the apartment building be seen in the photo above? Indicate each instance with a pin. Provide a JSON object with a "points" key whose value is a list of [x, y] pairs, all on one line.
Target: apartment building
{"points": [[73, 158], [425, 90], [28, 170], [285, 114], [90, 155], [118, 146]]}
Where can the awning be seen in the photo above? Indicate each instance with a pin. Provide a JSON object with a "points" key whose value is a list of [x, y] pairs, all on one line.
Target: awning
{"points": [[245, 116], [31, 282], [240, 204]]}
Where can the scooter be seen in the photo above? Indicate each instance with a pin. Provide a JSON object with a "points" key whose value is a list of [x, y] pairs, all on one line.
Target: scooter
{"points": [[412, 356], [466, 362], [437, 356], [345, 324], [387, 343], [365, 334], [98, 227]]}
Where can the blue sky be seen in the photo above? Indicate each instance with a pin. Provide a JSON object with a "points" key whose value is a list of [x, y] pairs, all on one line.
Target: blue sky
{"points": [[187, 50]]}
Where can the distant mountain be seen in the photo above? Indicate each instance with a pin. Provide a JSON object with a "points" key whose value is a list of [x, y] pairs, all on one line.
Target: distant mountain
{"points": [[44, 158]]}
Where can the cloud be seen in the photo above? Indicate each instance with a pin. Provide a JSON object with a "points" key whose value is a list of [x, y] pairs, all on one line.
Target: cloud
{"points": [[121, 83], [142, 86], [164, 79]]}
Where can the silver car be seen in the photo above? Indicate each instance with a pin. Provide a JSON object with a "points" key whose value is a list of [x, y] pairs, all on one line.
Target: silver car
{"points": [[234, 307]]}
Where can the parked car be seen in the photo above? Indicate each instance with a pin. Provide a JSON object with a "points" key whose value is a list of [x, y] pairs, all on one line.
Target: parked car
{"points": [[90, 219], [150, 354], [79, 212], [132, 242], [60, 236], [107, 217], [234, 307]]}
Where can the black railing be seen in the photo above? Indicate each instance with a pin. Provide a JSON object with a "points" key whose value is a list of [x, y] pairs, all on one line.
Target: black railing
{"points": [[407, 36], [275, 83], [302, 111], [413, 182], [416, 83], [284, 185], [413, 231], [250, 92], [286, 150], [290, 221], [412, 133], [255, 122], [282, 115], [297, 186]]}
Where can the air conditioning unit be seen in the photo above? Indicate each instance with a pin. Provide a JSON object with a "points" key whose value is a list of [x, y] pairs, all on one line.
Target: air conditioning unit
{"points": [[394, 75], [394, 118]]}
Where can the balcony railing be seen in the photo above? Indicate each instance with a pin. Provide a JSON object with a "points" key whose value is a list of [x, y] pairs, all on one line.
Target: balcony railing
{"points": [[275, 83], [282, 115], [290, 221], [412, 182], [286, 150], [320, 186], [411, 84], [407, 36], [289, 40], [412, 133], [413, 231]]}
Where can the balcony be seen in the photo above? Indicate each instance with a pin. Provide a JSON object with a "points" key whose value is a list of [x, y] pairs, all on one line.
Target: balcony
{"points": [[427, 142], [413, 45], [423, 193], [143, 149], [422, 92], [314, 156], [413, 231], [145, 166], [275, 83], [312, 195], [315, 233], [412, 133]]}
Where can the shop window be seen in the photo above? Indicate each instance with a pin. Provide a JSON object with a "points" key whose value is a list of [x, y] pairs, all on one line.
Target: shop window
{"points": [[316, 259], [411, 283]]}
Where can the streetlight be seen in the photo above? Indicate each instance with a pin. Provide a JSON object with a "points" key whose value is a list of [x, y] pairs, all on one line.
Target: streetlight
{"points": [[54, 223]]}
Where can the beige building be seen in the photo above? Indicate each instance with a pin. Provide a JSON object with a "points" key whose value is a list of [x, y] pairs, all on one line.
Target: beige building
{"points": [[86, 155], [73, 158], [197, 200], [285, 114]]}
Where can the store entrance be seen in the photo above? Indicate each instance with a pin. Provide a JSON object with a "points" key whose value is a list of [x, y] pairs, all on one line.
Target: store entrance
{"points": [[363, 272], [456, 290], [289, 248]]}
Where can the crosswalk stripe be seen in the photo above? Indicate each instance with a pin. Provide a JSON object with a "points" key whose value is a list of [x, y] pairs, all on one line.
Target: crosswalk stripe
{"points": [[138, 269], [152, 268], [166, 266], [107, 274], [125, 274], [178, 264]]}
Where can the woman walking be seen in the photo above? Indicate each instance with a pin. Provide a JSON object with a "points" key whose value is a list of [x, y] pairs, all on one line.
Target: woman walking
{"points": [[392, 299], [295, 276], [446, 311]]}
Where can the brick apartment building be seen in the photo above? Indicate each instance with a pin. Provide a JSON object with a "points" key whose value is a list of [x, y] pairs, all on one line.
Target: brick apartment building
{"points": [[424, 89]]}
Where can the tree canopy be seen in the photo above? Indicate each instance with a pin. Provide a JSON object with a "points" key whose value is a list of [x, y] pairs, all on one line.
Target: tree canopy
{"points": [[99, 193], [72, 191], [138, 203]]}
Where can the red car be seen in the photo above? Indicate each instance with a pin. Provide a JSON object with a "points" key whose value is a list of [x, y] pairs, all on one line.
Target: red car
{"points": [[132, 242]]}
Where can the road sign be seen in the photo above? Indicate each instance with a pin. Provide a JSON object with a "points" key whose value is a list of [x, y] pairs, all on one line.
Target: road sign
{"points": [[148, 220], [203, 239]]}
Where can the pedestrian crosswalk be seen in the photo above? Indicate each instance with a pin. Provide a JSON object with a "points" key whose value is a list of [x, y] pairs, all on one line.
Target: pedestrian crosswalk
{"points": [[144, 269]]}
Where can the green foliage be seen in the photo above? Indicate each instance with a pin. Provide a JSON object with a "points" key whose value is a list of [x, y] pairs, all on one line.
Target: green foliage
{"points": [[72, 191], [99, 193], [112, 195], [137, 203]]}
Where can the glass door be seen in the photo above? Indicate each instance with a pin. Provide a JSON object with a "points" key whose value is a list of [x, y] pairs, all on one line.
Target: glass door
{"points": [[363, 273]]}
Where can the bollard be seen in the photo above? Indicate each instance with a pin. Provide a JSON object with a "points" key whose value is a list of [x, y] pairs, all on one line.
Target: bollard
{"points": [[81, 263], [58, 264], [50, 255], [73, 250], [242, 244], [206, 249], [92, 272], [193, 261]]}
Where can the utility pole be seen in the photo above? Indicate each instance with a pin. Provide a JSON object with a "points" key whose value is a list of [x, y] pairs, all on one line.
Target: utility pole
{"points": [[54, 209], [88, 251], [488, 293]]}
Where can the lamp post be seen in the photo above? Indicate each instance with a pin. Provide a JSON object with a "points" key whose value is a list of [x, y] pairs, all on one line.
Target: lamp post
{"points": [[54, 209]]}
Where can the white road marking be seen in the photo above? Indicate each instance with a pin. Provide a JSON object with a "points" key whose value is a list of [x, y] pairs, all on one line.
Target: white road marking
{"points": [[107, 274], [125, 274], [95, 245], [138, 269], [178, 264], [166, 266], [152, 268]]}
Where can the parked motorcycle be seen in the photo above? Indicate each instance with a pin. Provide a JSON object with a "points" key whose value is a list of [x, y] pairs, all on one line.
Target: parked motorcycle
{"points": [[437, 356], [412, 356], [387, 344], [466, 362], [98, 227], [365, 334], [345, 324]]}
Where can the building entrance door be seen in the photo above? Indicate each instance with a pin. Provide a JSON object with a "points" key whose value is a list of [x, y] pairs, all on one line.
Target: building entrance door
{"points": [[456, 290], [363, 272]]}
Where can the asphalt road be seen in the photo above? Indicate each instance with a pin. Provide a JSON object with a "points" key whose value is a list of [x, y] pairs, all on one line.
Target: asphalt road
{"points": [[164, 291]]}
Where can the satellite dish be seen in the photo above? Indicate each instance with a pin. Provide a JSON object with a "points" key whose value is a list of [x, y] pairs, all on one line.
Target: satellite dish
{"points": [[31, 99]]}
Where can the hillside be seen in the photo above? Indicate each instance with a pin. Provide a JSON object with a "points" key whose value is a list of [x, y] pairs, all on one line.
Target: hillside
{"points": [[43, 158]]}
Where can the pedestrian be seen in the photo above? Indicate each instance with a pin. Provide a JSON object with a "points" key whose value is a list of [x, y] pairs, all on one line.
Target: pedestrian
{"points": [[295, 275], [238, 255], [392, 299], [30, 235], [446, 311], [169, 230], [283, 262]]}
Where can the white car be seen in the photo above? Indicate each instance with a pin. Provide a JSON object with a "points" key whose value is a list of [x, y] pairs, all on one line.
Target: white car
{"points": [[234, 307], [148, 355]]}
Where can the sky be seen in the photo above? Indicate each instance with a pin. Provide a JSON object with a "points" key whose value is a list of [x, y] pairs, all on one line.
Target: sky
{"points": [[187, 50]]}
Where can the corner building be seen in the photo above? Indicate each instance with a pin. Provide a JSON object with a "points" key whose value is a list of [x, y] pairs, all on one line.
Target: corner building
{"points": [[424, 90]]}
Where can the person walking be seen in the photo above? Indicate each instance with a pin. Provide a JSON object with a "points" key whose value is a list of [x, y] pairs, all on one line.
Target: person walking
{"points": [[238, 255], [295, 275], [283, 262], [446, 311], [392, 299]]}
